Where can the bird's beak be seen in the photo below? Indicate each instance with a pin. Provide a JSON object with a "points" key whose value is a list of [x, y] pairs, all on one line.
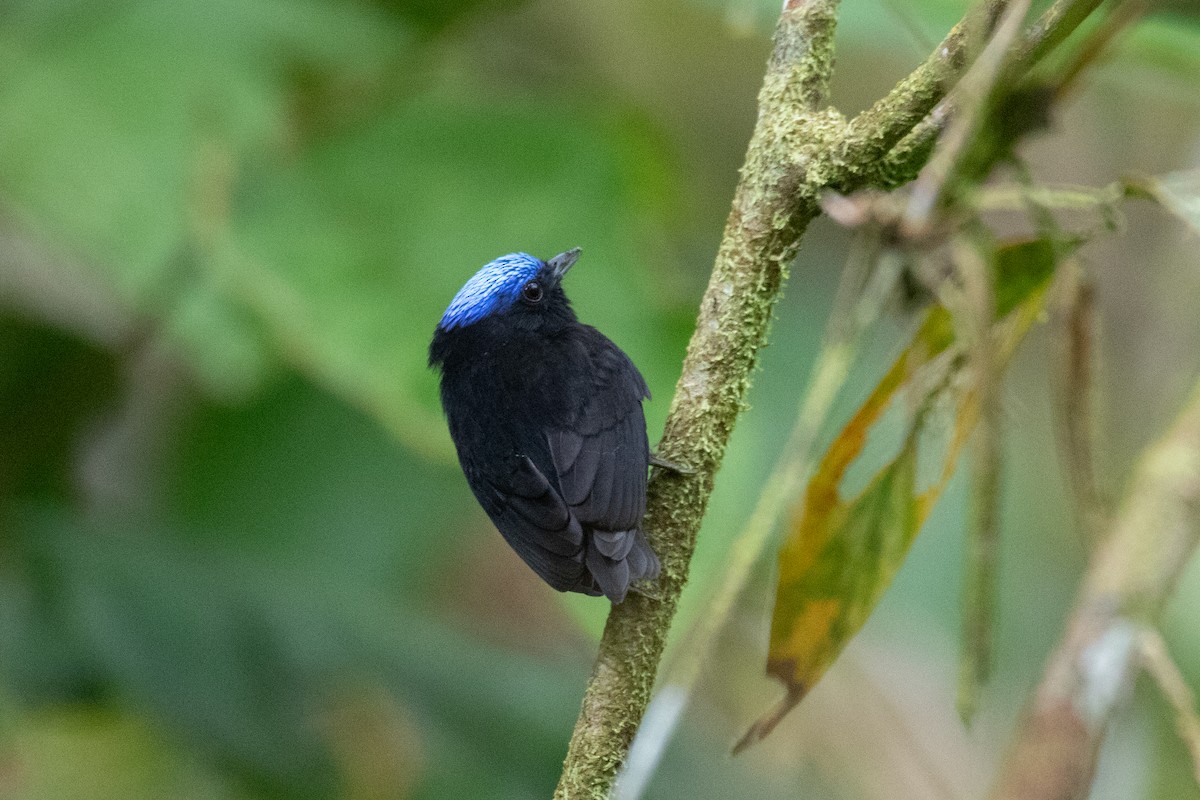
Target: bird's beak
{"points": [[563, 262]]}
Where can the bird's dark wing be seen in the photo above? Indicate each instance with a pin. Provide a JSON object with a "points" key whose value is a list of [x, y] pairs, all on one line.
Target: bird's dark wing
{"points": [[600, 453], [571, 500], [537, 523], [600, 458], [602, 474]]}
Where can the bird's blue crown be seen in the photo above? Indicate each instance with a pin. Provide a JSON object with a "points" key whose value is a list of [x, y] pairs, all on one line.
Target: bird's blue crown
{"points": [[496, 286]]}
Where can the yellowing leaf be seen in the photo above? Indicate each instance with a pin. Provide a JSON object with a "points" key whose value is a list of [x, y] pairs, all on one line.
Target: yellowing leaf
{"points": [[841, 554]]}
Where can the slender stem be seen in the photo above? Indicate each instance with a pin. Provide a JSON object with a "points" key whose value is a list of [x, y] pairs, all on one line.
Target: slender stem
{"points": [[1157, 661], [877, 130], [1131, 576], [1076, 312], [903, 161], [982, 545], [1056, 24], [975, 90]]}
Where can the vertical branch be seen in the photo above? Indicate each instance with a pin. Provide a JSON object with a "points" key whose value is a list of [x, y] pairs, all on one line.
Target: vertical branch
{"points": [[775, 200], [982, 546], [1074, 401]]}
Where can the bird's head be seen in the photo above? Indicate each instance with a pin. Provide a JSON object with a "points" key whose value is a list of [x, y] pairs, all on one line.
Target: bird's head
{"points": [[522, 290]]}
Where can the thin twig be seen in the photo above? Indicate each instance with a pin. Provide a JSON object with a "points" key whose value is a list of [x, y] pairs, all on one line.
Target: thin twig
{"points": [[982, 545], [978, 86], [902, 162], [1054, 26], [938, 182], [875, 131], [1074, 389], [1131, 575], [1158, 662]]}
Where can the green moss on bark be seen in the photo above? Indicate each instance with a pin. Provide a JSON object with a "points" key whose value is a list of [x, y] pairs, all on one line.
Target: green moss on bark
{"points": [[799, 149]]}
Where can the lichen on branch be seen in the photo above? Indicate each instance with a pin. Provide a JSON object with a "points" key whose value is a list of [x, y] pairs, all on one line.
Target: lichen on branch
{"points": [[775, 200], [799, 149]]}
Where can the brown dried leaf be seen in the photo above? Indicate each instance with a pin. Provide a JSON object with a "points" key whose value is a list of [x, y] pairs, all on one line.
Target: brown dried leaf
{"points": [[841, 554]]}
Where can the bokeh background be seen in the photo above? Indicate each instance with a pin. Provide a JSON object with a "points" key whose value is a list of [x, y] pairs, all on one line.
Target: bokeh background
{"points": [[237, 558]]}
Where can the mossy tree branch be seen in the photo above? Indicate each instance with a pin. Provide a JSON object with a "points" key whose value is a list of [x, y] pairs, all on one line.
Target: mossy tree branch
{"points": [[799, 149], [874, 132], [907, 153], [775, 200]]}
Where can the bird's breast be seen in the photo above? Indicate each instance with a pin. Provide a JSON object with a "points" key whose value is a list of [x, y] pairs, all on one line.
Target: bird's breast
{"points": [[516, 384]]}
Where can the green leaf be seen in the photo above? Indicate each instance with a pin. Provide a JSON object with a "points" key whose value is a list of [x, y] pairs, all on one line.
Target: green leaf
{"points": [[1023, 268], [818, 609], [50, 386], [1167, 43], [436, 15]]}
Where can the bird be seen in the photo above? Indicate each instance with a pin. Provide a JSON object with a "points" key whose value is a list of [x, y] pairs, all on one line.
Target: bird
{"points": [[546, 417]]}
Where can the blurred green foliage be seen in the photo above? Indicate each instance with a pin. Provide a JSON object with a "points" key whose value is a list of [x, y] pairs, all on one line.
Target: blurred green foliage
{"points": [[236, 557]]}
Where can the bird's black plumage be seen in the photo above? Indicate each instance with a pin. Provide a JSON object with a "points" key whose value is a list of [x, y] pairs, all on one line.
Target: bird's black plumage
{"points": [[546, 415]]}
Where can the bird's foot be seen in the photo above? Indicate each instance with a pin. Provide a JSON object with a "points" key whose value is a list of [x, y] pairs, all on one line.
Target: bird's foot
{"points": [[647, 588], [659, 461]]}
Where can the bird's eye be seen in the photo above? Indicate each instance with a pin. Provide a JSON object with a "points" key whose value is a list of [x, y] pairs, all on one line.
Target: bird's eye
{"points": [[532, 292]]}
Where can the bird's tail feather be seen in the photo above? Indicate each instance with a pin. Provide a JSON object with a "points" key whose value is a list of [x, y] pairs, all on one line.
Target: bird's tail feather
{"points": [[617, 559]]}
